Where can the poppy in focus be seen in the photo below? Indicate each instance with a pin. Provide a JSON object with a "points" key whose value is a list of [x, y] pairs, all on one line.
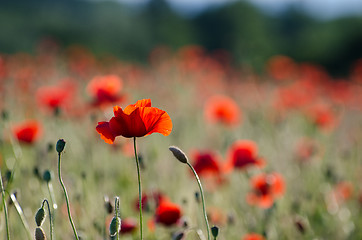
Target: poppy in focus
{"points": [[27, 132], [265, 189], [136, 120], [222, 109], [105, 89], [244, 154]]}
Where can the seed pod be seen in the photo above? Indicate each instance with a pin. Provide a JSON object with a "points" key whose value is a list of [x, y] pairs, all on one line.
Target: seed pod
{"points": [[39, 217], [39, 234], [115, 226], [60, 145], [215, 231]]}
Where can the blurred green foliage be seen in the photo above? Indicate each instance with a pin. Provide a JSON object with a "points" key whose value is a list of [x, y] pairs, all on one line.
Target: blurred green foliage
{"points": [[131, 33]]}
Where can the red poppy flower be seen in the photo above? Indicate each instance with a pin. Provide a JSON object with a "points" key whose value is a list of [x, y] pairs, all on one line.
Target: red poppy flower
{"points": [[136, 120], [128, 225], [322, 116], [167, 213], [53, 97], [243, 154], [266, 187], [105, 89], [27, 132], [147, 198], [222, 109], [282, 68], [253, 236], [206, 163]]}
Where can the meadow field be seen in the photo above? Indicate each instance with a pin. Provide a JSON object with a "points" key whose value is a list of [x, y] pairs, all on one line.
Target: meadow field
{"points": [[278, 153]]}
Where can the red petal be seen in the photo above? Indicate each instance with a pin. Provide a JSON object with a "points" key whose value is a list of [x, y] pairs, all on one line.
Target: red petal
{"points": [[105, 131]]}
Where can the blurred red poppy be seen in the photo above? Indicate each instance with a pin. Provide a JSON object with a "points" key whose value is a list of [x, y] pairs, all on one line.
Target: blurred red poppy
{"points": [[128, 225], [266, 187], [206, 163], [222, 109], [154, 198], [243, 154], [167, 213], [136, 120], [322, 116], [53, 97], [27, 132], [253, 236], [282, 68], [105, 89]]}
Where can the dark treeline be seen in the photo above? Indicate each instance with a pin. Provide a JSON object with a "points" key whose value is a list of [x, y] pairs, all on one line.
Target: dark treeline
{"points": [[131, 33]]}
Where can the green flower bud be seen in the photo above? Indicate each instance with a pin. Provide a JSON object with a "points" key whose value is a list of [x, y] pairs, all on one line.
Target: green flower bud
{"points": [[39, 217], [179, 154], [115, 226], [60, 145]]}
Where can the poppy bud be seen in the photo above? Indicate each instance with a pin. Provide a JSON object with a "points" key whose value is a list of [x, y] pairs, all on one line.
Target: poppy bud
{"points": [[115, 226], [179, 154], [39, 234], [47, 176], [178, 235], [215, 231], [39, 217], [60, 145]]}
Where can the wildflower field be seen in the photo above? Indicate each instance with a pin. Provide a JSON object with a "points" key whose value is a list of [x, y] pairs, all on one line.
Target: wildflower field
{"points": [[278, 153]]}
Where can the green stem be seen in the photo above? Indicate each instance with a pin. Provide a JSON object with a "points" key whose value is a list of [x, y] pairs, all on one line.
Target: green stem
{"points": [[5, 208], [50, 218], [116, 206], [66, 198], [202, 198], [139, 186], [21, 215]]}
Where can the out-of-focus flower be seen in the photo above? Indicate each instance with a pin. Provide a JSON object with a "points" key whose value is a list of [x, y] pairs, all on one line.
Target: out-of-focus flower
{"points": [[222, 109], [136, 120], [243, 154], [105, 90], [206, 163], [343, 191], [282, 68], [151, 198], [167, 213], [53, 97], [306, 149], [253, 236], [128, 225], [322, 116], [265, 189], [27, 132]]}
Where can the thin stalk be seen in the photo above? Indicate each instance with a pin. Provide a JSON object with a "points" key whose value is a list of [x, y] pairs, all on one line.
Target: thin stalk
{"points": [[5, 207], [116, 206], [21, 215], [202, 198], [50, 218], [139, 186], [51, 195], [66, 198]]}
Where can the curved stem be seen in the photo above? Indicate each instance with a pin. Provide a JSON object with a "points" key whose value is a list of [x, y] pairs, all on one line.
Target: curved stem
{"points": [[202, 198], [139, 186], [50, 218], [66, 198], [5, 208]]}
